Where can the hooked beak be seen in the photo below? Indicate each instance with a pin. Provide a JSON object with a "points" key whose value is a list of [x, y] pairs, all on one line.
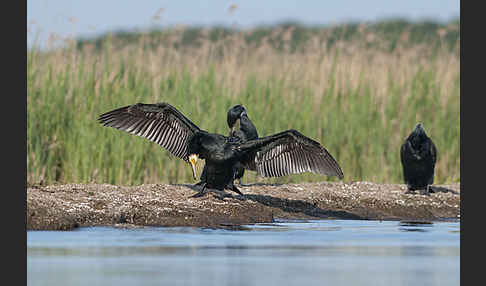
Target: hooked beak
{"points": [[193, 160]]}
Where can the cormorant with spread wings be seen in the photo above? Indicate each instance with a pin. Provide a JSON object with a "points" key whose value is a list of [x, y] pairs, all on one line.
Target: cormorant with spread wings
{"points": [[281, 154]]}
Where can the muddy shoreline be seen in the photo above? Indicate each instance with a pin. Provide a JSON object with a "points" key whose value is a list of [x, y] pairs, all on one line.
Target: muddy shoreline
{"points": [[64, 207]]}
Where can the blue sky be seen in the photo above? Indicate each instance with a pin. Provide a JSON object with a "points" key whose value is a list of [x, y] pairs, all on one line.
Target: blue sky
{"points": [[86, 18]]}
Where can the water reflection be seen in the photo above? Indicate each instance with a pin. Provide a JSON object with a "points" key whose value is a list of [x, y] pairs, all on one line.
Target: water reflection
{"points": [[286, 253], [420, 226]]}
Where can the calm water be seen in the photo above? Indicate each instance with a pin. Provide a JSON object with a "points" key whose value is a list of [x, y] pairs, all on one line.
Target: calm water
{"points": [[325, 252]]}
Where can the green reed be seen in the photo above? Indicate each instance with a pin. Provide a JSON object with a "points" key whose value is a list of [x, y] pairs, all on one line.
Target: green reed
{"points": [[363, 131]]}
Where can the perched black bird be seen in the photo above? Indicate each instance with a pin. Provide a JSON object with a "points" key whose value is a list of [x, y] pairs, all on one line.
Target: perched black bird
{"points": [[418, 155], [247, 131], [284, 153]]}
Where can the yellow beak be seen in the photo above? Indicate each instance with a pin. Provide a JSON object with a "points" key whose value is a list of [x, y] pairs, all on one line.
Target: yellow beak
{"points": [[193, 160]]}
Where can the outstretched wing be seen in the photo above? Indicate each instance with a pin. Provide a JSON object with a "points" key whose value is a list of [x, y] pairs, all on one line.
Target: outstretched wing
{"points": [[288, 152], [160, 123]]}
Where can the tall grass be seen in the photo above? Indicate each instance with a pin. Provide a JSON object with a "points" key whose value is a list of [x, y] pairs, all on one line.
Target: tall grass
{"points": [[359, 100]]}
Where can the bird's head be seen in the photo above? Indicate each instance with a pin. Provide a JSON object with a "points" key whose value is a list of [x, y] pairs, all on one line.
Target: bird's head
{"points": [[233, 116], [419, 129], [418, 136]]}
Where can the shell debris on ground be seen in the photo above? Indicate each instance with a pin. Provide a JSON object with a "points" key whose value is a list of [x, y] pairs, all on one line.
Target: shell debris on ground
{"points": [[64, 207]]}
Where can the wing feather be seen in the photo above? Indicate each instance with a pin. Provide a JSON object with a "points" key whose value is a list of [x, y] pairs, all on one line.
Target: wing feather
{"points": [[160, 123], [288, 152]]}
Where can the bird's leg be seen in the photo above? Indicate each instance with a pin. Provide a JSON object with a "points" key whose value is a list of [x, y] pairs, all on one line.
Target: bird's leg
{"points": [[202, 192], [235, 189], [239, 175], [410, 190], [219, 194], [425, 191], [198, 184], [203, 177], [231, 186]]}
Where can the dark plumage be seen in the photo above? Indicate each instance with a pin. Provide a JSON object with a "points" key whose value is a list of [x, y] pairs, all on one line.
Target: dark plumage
{"points": [[246, 132], [418, 156], [287, 152]]}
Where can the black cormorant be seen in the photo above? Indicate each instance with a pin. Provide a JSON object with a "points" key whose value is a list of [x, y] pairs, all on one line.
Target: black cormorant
{"points": [[247, 131], [418, 156], [287, 152]]}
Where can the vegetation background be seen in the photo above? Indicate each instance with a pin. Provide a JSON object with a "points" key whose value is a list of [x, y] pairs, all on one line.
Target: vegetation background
{"points": [[358, 88]]}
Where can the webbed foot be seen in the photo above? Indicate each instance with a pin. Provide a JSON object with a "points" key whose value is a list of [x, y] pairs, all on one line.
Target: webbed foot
{"points": [[410, 191], [236, 190], [220, 195], [425, 191], [202, 192]]}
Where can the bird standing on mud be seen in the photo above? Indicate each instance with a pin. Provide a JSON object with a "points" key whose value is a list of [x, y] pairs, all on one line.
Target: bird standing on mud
{"points": [[247, 131], [418, 156], [287, 152]]}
